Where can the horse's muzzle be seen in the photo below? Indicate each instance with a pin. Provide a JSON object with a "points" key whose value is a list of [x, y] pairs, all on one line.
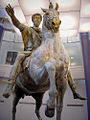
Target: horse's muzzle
{"points": [[56, 21]]}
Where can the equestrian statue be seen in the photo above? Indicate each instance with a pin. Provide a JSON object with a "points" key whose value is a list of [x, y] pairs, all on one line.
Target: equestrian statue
{"points": [[43, 65]]}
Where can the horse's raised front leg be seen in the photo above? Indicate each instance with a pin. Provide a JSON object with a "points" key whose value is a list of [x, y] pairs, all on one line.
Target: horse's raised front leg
{"points": [[51, 70]]}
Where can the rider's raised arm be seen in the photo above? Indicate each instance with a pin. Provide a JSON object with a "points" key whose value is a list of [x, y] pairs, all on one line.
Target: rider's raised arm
{"points": [[15, 21]]}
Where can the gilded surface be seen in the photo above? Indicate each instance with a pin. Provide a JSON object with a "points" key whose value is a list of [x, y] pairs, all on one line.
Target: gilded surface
{"points": [[49, 63]]}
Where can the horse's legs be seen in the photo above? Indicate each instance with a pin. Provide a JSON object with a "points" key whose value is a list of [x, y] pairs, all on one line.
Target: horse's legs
{"points": [[50, 68], [38, 97], [59, 106], [71, 83], [60, 97], [16, 97], [38, 75], [38, 105]]}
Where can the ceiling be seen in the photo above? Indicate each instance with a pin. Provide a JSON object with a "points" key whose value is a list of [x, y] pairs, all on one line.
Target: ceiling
{"points": [[74, 14]]}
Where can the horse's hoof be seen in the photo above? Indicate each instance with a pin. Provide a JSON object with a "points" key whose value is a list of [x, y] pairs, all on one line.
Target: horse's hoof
{"points": [[77, 96], [49, 112]]}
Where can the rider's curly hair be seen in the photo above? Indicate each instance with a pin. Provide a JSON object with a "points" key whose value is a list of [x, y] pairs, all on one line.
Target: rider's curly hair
{"points": [[36, 14]]}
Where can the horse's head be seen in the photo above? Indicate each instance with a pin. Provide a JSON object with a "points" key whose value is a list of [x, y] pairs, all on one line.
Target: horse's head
{"points": [[51, 18]]}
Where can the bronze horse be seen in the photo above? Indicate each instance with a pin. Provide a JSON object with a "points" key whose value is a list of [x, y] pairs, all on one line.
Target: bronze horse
{"points": [[48, 69]]}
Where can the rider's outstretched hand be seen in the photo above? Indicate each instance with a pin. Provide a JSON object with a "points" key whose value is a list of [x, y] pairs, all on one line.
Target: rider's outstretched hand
{"points": [[9, 10]]}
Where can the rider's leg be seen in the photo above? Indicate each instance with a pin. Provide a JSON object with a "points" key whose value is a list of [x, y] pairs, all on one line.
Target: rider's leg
{"points": [[16, 69], [27, 65], [71, 83]]}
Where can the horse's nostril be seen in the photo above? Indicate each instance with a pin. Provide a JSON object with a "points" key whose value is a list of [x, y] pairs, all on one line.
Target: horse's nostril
{"points": [[53, 23]]}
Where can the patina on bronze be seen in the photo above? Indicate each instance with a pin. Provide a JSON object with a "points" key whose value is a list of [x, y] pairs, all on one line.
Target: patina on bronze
{"points": [[48, 67], [31, 38]]}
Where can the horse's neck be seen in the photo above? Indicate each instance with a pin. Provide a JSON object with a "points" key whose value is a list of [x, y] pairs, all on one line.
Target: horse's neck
{"points": [[48, 34], [52, 40]]}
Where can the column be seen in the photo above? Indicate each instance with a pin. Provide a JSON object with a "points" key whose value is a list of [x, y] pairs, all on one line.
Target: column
{"points": [[1, 33], [85, 43]]}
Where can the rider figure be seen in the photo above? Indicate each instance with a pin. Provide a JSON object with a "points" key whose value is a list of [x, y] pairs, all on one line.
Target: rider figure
{"points": [[32, 39]]}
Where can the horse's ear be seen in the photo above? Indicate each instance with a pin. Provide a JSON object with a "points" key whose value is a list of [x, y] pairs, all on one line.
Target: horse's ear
{"points": [[50, 5], [57, 6], [44, 10]]}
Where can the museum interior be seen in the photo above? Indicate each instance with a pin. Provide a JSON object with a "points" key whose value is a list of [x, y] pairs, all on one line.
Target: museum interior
{"points": [[75, 35]]}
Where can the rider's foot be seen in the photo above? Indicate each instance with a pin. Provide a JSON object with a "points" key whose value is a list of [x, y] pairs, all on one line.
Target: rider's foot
{"points": [[7, 91], [78, 96]]}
